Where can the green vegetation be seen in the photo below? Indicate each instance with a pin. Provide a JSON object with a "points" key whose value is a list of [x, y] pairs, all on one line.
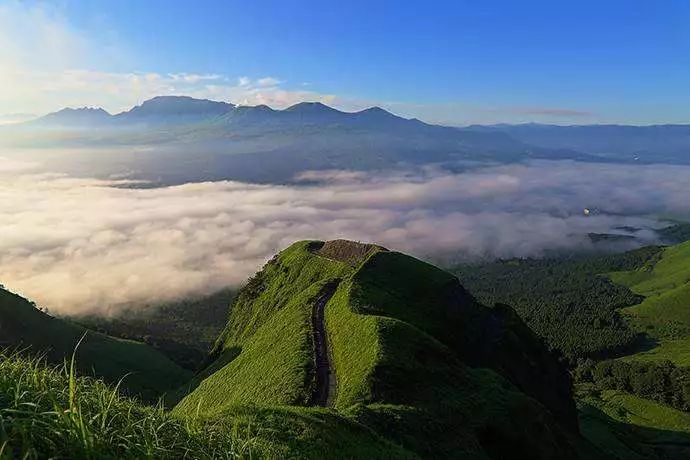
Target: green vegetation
{"points": [[46, 412], [676, 233], [423, 368], [148, 373], [661, 382], [401, 335], [266, 347], [565, 300], [183, 330], [629, 427], [664, 314], [634, 307]]}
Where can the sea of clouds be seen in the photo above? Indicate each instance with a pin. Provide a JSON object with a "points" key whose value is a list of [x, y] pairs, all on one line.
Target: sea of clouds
{"points": [[80, 245]]}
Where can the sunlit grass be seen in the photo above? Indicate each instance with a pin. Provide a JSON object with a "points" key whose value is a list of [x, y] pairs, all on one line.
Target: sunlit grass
{"points": [[51, 412]]}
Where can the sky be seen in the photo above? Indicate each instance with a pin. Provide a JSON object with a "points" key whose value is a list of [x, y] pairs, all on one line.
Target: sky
{"points": [[454, 62]]}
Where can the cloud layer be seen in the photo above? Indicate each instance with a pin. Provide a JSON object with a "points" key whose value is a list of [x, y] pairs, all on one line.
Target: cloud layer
{"points": [[78, 245]]}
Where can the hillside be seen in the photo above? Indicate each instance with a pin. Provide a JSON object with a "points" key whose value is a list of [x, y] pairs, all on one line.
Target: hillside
{"points": [[408, 353], [632, 307], [51, 413], [565, 300], [183, 330], [147, 372], [664, 314]]}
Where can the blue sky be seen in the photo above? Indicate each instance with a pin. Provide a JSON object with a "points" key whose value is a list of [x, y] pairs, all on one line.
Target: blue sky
{"points": [[455, 62]]}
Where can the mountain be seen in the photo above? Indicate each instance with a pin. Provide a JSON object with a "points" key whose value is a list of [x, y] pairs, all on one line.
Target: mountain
{"points": [[84, 117], [647, 144], [145, 372], [177, 109], [394, 344], [220, 141]]}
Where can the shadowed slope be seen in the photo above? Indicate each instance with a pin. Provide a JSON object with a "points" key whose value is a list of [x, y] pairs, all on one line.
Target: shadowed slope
{"points": [[147, 372]]}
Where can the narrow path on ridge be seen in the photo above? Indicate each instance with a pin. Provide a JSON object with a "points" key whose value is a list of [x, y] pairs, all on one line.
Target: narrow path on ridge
{"points": [[325, 377]]}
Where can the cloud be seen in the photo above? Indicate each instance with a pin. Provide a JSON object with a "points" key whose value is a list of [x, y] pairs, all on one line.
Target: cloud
{"points": [[78, 245], [48, 64]]}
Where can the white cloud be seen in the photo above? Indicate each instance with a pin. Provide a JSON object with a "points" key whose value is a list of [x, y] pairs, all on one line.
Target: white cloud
{"points": [[46, 64], [85, 244], [268, 81]]}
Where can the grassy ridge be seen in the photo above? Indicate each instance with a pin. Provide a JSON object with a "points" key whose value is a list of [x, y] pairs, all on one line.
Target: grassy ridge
{"points": [[386, 324], [149, 373], [355, 348], [265, 353]]}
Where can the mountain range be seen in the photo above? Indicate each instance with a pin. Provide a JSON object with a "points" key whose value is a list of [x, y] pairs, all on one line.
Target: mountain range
{"points": [[175, 139], [619, 142]]}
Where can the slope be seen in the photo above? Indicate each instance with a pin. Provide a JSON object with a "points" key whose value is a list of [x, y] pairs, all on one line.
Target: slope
{"points": [[147, 373], [48, 413], [664, 314], [415, 357]]}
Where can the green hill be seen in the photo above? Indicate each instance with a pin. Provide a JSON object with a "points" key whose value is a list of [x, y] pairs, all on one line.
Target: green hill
{"points": [[147, 373], [623, 320], [48, 413], [393, 344], [664, 314]]}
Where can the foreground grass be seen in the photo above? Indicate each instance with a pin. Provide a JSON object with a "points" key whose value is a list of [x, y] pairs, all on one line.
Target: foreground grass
{"points": [[50, 413]]}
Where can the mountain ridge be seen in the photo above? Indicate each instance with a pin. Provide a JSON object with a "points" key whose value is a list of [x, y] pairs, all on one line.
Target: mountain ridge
{"points": [[388, 326]]}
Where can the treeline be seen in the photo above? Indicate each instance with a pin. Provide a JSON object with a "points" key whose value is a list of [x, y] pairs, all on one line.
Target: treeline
{"points": [[662, 382], [183, 330], [565, 300]]}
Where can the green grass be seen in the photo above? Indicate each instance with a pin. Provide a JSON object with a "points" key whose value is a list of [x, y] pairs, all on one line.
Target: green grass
{"points": [[392, 326], [268, 337], [51, 413], [149, 372], [355, 348], [676, 351], [625, 426], [664, 314]]}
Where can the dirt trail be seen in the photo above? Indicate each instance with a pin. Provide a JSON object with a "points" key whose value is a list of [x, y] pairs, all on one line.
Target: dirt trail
{"points": [[325, 377]]}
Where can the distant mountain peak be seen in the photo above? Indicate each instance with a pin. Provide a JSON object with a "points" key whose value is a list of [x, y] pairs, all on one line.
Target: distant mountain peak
{"points": [[375, 109], [255, 108], [178, 105], [376, 112], [80, 110], [75, 116], [311, 107]]}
